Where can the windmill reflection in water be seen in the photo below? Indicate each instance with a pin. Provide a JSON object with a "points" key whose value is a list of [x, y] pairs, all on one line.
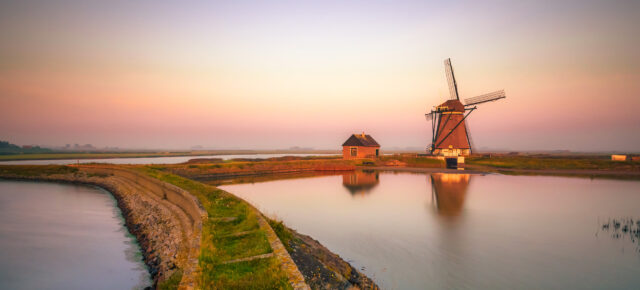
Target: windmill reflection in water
{"points": [[448, 192]]}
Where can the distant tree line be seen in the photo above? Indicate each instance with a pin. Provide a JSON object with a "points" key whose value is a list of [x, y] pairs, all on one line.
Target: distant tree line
{"points": [[7, 148]]}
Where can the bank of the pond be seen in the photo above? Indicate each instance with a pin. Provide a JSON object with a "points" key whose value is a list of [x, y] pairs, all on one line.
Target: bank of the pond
{"points": [[239, 249], [321, 268], [214, 169], [578, 166], [165, 220], [234, 221]]}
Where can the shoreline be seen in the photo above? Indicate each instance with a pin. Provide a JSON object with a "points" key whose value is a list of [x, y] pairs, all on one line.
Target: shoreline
{"points": [[422, 169], [473, 169], [106, 156]]}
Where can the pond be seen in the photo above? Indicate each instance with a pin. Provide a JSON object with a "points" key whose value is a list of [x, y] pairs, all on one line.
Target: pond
{"points": [[61, 236], [150, 160], [426, 231]]}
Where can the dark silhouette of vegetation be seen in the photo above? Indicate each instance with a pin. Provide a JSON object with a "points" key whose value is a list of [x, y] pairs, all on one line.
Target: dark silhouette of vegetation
{"points": [[7, 148]]}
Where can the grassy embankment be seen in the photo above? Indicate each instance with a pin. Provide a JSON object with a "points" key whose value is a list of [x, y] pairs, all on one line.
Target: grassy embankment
{"points": [[234, 168], [36, 170], [593, 167], [231, 232], [410, 160], [553, 163]]}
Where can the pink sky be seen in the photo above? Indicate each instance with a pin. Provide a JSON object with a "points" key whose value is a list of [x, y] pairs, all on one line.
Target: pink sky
{"points": [[269, 75]]}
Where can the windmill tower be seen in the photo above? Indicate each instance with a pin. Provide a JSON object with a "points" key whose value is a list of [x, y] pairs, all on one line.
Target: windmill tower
{"points": [[450, 134]]}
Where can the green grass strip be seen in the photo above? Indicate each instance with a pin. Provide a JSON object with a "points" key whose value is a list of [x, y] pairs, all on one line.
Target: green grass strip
{"points": [[228, 215]]}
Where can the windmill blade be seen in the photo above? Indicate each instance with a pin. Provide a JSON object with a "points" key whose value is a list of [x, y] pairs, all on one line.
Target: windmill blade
{"points": [[490, 97], [451, 80], [472, 145], [429, 116]]}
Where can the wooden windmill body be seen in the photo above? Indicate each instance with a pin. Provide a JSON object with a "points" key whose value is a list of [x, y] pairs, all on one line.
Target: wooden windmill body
{"points": [[450, 134]]}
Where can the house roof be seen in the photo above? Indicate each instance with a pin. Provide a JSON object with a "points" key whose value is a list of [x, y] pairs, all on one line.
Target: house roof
{"points": [[361, 140]]}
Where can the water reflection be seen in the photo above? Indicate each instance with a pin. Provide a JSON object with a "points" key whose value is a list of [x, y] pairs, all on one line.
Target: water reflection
{"points": [[448, 192], [360, 182]]}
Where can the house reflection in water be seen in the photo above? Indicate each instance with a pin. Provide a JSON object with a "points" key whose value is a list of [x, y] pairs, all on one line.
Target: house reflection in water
{"points": [[448, 192], [360, 182]]}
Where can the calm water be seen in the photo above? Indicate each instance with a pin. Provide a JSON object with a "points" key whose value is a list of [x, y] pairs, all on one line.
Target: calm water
{"points": [[460, 231], [58, 236], [149, 160]]}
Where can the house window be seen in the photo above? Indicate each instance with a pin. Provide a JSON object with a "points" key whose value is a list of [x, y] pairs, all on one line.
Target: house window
{"points": [[377, 152], [354, 151]]}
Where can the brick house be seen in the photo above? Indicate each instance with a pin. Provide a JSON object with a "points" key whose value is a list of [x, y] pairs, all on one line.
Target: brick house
{"points": [[360, 146]]}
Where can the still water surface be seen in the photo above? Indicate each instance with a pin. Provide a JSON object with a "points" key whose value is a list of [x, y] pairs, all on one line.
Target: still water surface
{"points": [[460, 231], [148, 160], [60, 236]]}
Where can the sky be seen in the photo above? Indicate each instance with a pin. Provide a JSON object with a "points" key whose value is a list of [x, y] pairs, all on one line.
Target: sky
{"points": [[276, 74]]}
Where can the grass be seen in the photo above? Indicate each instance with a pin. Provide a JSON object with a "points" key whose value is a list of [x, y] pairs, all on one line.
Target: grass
{"points": [[236, 168], [228, 217], [255, 274], [172, 282], [550, 163], [282, 232], [36, 170], [412, 161]]}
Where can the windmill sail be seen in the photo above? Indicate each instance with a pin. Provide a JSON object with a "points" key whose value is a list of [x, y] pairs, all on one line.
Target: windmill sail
{"points": [[451, 80], [485, 98], [429, 116]]}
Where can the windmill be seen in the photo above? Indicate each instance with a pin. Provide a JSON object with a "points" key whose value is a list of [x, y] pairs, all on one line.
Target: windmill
{"points": [[450, 136]]}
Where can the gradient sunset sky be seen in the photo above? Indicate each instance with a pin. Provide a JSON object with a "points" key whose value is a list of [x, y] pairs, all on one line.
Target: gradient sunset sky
{"points": [[275, 74]]}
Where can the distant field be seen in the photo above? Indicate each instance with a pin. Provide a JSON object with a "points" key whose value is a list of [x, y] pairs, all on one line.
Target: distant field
{"points": [[234, 168], [554, 163], [87, 155], [49, 156]]}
